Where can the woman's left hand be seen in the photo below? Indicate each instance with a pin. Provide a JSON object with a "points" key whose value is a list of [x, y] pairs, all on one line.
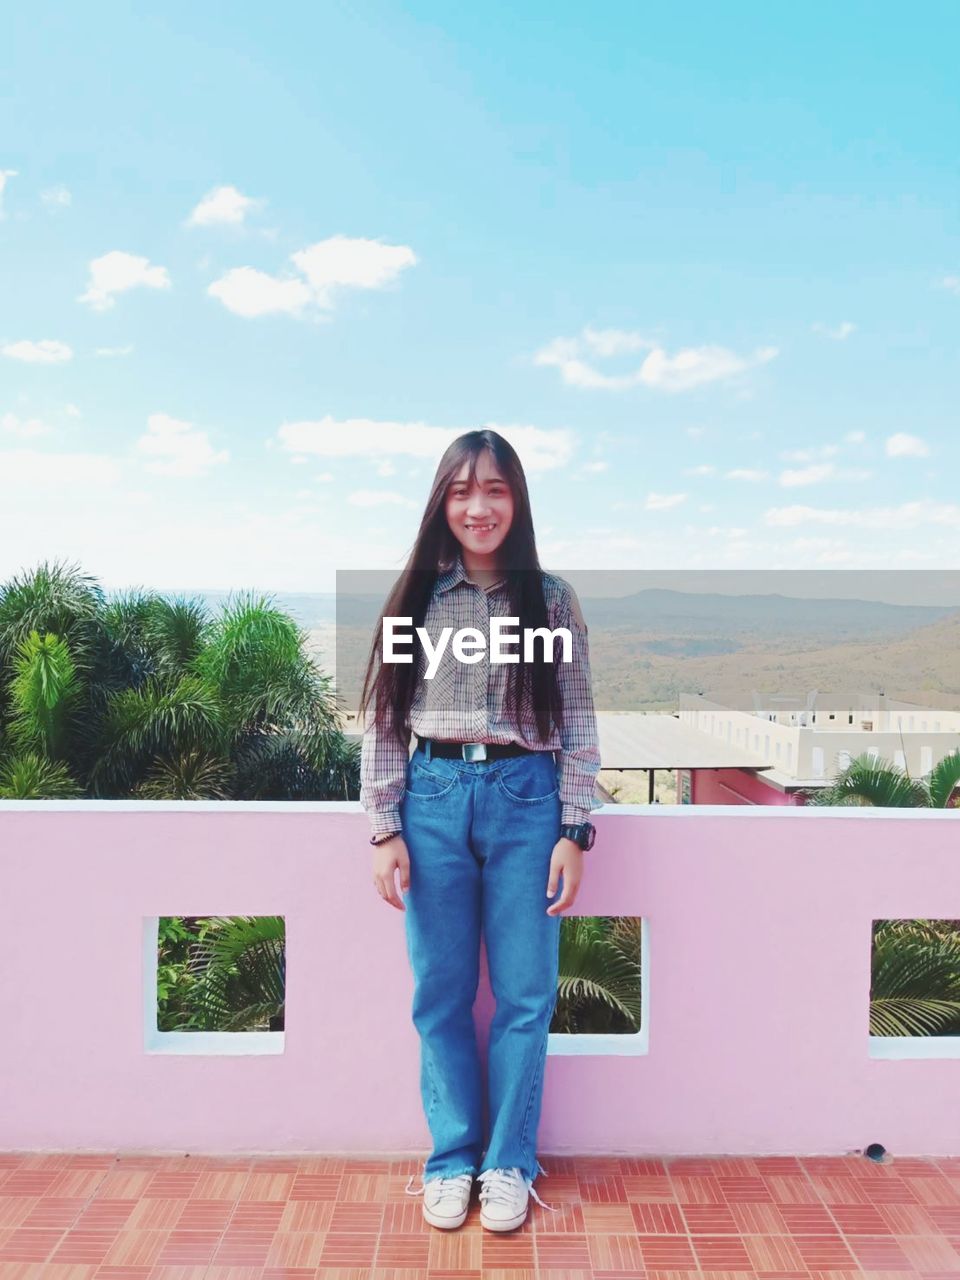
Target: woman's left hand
{"points": [[567, 858]]}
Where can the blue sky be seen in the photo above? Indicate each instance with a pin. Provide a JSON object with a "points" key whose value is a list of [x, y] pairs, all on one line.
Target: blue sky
{"points": [[258, 264]]}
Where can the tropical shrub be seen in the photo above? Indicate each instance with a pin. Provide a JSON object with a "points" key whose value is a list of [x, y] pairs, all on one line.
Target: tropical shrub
{"points": [[140, 696], [598, 986]]}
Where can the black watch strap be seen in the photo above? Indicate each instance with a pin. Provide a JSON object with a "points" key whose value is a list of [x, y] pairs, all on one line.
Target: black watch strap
{"points": [[383, 837], [582, 833]]}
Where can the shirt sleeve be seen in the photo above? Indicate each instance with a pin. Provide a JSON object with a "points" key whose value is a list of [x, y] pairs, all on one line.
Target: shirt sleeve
{"points": [[383, 770], [580, 751]]}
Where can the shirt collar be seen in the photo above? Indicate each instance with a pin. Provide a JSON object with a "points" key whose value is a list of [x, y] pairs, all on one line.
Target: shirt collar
{"points": [[456, 572]]}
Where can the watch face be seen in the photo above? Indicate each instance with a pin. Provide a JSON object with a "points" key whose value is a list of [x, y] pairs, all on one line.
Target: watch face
{"points": [[583, 834]]}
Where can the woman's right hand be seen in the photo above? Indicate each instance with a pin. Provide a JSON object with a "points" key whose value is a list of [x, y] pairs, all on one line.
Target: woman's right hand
{"points": [[389, 857]]}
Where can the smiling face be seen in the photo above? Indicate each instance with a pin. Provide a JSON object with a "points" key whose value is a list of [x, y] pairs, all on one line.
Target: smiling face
{"points": [[480, 512]]}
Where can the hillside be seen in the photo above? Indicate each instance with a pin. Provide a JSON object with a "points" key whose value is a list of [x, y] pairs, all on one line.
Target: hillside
{"points": [[922, 666]]}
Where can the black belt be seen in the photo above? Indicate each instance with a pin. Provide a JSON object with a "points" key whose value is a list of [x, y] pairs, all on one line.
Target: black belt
{"points": [[475, 750]]}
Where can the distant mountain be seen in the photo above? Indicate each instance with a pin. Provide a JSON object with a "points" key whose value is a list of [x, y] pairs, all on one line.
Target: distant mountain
{"points": [[660, 611], [666, 616], [648, 647], [920, 666]]}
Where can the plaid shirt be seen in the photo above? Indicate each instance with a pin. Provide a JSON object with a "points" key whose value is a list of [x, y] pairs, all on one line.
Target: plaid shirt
{"points": [[466, 702]]}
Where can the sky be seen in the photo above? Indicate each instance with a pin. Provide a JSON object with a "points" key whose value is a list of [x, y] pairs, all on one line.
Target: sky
{"points": [[260, 264]]}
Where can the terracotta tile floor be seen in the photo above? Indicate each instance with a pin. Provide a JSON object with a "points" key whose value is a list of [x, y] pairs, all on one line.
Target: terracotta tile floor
{"points": [[130, 1217]]}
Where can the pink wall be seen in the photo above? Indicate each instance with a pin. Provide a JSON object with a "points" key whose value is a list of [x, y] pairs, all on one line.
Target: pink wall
{"points": [[736, 786], [758, 927]]}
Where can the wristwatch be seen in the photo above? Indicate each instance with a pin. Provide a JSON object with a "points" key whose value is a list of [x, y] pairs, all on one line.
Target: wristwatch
{"points": [[583, 834]]}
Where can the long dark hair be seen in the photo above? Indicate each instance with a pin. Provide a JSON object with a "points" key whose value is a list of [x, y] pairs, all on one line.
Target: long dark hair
{"points": [[533, 686]]}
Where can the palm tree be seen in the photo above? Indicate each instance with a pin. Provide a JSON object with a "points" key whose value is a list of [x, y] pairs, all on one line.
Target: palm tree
{"points": [[869, 781], [234, 977], [598, 986], [915, 981], [141, 696], [915, 964]]}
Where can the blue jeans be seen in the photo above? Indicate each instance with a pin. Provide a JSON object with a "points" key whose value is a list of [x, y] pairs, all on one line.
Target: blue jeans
{"points": [[480, 835]]}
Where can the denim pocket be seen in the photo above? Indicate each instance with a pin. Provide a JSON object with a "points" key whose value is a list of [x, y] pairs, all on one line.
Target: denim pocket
{"points": [[529, 779], [428, 783]]}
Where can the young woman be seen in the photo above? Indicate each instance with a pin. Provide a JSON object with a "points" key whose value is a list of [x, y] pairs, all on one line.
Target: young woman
{"points": [[483, 820]]}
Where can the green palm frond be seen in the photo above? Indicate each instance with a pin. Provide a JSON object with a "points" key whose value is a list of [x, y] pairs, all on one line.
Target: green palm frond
{"points": [[599, 970], [287, 764], [866, 781], [916, 1016], [259, 660], [164, 691], [174, 631], [625, 937], [125, 616], [56, 598], [240, 970], [146, 634], [915, 978], [944, 781], [159, 719], [335, 763], [193, 774], [45, 694], [30, 776]]}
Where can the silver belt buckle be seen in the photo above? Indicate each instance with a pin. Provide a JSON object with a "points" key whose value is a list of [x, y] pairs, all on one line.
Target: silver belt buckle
{"points": [[473, 750]]}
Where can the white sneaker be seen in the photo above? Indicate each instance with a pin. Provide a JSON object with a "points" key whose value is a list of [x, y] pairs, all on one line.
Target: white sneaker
{"points": [[445, 1199], [504, 1196]]}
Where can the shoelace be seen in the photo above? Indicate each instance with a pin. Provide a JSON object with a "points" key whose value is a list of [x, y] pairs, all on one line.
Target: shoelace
{"points": [[500, 1186], [449, 1186]]}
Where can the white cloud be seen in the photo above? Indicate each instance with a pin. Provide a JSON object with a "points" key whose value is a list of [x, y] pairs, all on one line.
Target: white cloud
{"points": [[24, 428], [30, 472], [615, 342], [703, 469], [808, 455], [903, 445], [814, 474], [379, 498], [663, 501], [249, 293], [744, 473], [46, 351], [386, 468], [4, 175], [336, 263], [115, 351], [223, 206], [328, 437], [596, 466], [842, 331], [818, 472], [690, 367], [72, 411], [177, 448], [908, 515], [116, 272], [56, 197], [952, 283], [855, 437], [719, 531], [353, 263], [694, 366]]}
